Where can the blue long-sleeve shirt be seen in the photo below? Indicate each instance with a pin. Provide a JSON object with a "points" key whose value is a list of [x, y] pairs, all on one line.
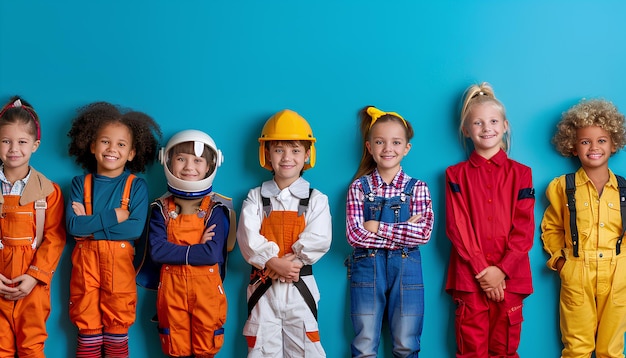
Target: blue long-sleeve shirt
{"points": [[106, 197], [213, 251]]}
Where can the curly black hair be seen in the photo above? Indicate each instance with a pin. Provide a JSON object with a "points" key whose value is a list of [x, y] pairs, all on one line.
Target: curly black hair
{"points": [[91, 118]]}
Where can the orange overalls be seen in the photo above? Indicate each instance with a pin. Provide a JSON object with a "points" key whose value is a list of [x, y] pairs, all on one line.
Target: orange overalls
{"points": [[23, 322], [282, 228], [191, 303], [102, 284]]}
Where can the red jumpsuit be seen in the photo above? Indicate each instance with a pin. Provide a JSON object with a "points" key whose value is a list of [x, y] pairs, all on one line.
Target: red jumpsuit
{"points": [[490, 222], [23, 322]]}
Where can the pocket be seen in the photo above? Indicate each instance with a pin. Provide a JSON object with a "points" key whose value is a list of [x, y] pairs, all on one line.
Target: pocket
{"points": [[20, 225], [459, 316], [619, 282], [166, 340], [123, 270], [572, 282], [515, 329], [218, 338], [362, 286]]}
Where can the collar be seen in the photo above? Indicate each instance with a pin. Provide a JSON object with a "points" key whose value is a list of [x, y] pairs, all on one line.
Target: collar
{"points": [[499, 159], [3, 177], [396, 182], [299, 189]]}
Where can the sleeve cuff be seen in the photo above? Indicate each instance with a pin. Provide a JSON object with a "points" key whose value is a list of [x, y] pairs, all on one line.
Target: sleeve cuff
{"points": [[41, 276]]}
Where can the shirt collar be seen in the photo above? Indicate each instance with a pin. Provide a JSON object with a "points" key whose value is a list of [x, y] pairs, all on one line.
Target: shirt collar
{"points": [[499, 159], [299, 189], [3, 177], [377, 180]]}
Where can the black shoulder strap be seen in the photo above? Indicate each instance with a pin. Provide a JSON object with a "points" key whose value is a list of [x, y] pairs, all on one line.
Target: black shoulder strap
{"points": [[302, 206], [621, 184], [304, 203], [570, 190]]}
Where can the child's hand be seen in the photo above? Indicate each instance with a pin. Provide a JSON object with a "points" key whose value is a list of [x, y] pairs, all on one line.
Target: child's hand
{"points": [[371, 225], [122, 215], [208, 234], [496, 294], [558, 265], [5, 290], [79, 208], [490, 278], [25, 284], [415, 218], [286, 268]]}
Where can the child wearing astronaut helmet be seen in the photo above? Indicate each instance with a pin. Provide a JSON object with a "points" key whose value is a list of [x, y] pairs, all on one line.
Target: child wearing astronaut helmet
{"points": [[188, 236], [182, 154], [284, 228]]}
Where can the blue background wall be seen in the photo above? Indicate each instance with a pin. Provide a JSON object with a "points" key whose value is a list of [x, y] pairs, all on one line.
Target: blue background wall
{"points": [[224, 67]]}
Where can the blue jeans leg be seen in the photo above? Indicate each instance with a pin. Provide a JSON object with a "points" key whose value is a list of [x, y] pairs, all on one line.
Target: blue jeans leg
{"points": [[406, 301]]}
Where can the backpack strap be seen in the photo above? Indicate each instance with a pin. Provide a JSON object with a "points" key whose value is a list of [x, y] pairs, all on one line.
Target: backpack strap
{"points": [[232, 230], [621, 184], [570, 189]]}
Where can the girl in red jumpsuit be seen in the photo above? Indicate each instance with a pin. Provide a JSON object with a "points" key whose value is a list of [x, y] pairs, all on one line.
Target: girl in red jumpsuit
{"points": [[490, 222]]}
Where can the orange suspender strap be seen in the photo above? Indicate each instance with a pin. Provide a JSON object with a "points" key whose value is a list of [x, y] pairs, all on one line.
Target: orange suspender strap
{"points": [[88, 188], [126, 194]]}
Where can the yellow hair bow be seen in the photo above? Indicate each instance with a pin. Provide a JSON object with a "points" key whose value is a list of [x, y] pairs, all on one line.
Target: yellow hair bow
{"points": [[376, 113]]}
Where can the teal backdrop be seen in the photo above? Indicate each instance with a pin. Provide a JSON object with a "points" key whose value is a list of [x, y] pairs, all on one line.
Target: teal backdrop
{"points": [[224, 67]]}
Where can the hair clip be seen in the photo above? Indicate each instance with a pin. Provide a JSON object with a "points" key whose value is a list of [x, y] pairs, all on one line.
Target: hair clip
{"points": [[376, 113]]}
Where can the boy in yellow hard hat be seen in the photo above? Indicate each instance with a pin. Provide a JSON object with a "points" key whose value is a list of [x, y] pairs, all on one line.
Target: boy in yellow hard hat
{"points": [[284, 228]]}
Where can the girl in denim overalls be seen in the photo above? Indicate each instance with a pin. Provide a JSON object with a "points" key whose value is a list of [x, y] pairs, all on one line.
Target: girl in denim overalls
{"points": [[388, 215]]}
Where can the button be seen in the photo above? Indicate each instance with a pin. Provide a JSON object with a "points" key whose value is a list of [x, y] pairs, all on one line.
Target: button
{"points": [[167, 267], [586, 204], [601, 224], [211, 269], [489, 201], [123, 245], [601, 255], [610, 205]]}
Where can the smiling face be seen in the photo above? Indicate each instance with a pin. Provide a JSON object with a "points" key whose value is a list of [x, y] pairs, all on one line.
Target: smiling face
{"points": [[593, 147], [17, 144], [287, 159], [485, 126], [388, 144], [113, 147], [189, 167]]}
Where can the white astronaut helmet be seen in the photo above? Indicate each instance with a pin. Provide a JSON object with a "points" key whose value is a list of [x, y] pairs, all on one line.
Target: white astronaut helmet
{"points": [[194, 142]]}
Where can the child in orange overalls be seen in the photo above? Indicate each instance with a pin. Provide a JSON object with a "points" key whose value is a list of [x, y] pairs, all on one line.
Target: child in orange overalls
{"points": [[106, 212], [189, 228], [31, 231]]}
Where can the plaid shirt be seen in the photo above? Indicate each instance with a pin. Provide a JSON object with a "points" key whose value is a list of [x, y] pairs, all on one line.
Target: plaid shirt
{"points": [[12, 189], [390, 236]]}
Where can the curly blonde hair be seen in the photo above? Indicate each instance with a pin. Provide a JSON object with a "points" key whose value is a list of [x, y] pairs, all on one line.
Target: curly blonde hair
{"points": [[593, 112]]}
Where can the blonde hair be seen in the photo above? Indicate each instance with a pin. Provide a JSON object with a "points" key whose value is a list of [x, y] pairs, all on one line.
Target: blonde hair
{"points": [[594, 112], [480, 94]]}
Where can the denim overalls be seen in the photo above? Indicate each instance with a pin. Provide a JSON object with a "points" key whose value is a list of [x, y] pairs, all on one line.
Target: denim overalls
{"points": [[386, 282]]}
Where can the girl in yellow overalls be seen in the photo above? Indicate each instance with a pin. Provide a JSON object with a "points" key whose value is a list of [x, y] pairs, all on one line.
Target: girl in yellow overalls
{"points": [[32, 234]]}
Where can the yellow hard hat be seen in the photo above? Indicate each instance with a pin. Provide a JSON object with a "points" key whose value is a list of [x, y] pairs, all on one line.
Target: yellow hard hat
{"points": [[286, 125]]}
